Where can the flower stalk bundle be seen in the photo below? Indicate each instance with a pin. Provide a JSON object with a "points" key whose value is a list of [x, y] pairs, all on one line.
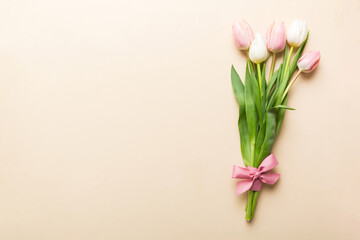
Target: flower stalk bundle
{"points": [[263, 98]]}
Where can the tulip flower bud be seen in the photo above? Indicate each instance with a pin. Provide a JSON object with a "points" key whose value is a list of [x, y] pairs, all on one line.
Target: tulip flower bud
{"points": [[258, 51], [276, 37], [309, 61], [297, 33], [243, 35]]}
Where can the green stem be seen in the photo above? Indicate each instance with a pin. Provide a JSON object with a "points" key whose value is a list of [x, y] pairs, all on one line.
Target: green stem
{"points": [[287, 62], [252, 148], [290, 84], [272, 66], [255, 198], [250, 193], [249, 206], [259, 74]]}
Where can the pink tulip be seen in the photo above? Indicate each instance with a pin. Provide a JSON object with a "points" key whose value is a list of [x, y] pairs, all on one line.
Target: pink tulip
{"points": [[309, 61], [243, 35], [276, 37]]}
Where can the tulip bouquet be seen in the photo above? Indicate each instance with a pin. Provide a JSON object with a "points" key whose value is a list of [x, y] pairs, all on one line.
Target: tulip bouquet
{"points": [[263, 102]]}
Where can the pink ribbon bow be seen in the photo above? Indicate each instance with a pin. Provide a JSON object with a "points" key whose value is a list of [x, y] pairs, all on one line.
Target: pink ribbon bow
{"points": [[254, 177]]}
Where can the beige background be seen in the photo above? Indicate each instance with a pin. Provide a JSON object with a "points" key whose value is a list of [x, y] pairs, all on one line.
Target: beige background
{"points": [[118, 121]]}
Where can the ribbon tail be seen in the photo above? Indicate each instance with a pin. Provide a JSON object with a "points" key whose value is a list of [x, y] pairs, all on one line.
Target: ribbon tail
{"points": [[257, 185], [243, 186]]}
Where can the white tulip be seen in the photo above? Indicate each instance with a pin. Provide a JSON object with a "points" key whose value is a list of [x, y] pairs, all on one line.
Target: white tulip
{"points": [[258, 51], [297, 33]]}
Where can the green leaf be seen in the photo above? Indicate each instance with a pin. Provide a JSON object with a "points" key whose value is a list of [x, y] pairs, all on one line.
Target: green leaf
{"points": [[263, 94], [256, 87], [283, 67], [250, 109], [292, 67], [239, 92], [280, 116], [273, 79], [272, 99], [284, 107], [269, 139], [263, 79], [237, 85], [260, 139], [244, 136]]}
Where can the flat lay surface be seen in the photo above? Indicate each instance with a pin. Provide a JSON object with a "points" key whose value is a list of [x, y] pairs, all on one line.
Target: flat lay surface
{"points": [[118, 121]]}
